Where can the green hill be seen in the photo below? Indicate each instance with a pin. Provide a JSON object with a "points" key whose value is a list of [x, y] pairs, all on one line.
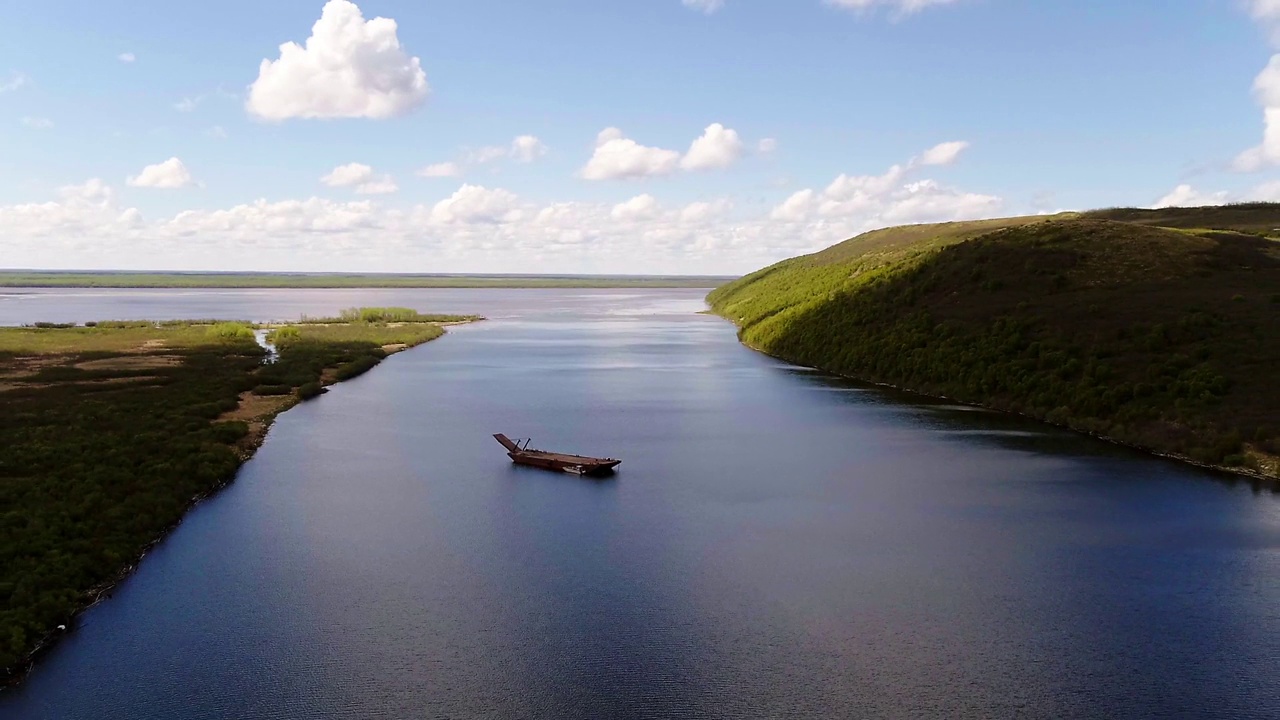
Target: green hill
{"points": [[1157, 328]]}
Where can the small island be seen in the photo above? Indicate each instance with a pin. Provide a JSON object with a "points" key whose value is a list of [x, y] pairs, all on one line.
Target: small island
{"points": [[112, 430]]}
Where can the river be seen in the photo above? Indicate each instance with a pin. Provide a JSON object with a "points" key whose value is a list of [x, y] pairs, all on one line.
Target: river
{"points": [[777, 543]]}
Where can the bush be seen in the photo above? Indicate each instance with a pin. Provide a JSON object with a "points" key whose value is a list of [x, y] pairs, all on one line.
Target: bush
{"points": [[269, 390], [311, 390], [230, 331], [356, 367], [284, 336], [230, 432]]}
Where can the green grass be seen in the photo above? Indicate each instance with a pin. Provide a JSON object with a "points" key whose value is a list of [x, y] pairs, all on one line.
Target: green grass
{"points": [[39, 278], [385, 315], [109, 434], [1162, 338]]}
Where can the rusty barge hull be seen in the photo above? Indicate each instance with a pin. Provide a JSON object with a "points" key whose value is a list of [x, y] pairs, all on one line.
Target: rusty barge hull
{"points": [[559, 462]]}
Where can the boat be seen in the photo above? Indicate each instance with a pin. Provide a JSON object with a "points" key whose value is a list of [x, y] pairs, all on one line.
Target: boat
{"points": [[521, 454]]}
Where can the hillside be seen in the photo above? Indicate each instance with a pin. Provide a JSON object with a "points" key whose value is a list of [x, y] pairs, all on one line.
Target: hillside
{"points": [[1110, 322]]}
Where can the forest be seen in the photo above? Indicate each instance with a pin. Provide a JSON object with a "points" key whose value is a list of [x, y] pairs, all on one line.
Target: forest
{"points": [[1158, 329], [113, 430]]}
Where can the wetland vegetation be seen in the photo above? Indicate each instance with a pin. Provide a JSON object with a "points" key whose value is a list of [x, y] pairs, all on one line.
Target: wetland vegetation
{"points": [[1155, 328], [114, 429]]}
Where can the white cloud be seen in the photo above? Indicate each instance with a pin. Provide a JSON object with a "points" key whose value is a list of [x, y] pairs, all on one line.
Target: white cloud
{"points": [[704, 6], [899, 7], [767, 146], [527, 148], [217, 132], [126, 57], [486, 154], [15, 81], [1266, 88], [438, 170], [857, 203], [638, 207], [943, 154], [477, 204], [1187, 196], [795, 208], [166, 175], [617, 156], [348, 175], [384, 185], [478, 229], [697, 212], [349, 68], [187, 104], [362, 178], [37, 123], [719, 147]]}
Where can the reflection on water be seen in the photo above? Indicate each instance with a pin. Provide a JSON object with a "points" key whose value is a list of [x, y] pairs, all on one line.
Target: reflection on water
{"points": [[778, 543]]}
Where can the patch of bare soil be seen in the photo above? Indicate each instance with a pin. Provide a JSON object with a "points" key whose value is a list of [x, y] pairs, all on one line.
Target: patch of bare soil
{"points": [[257, 411], [27, 366], [132, 362], [394, 348]]}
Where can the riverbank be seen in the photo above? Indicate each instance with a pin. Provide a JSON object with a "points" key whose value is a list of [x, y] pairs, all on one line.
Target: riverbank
{"points": [[1158, 338], [113, 432], [1268, 475]]}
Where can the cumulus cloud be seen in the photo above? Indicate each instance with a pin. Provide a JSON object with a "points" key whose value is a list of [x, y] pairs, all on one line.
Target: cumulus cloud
{"points": [[349, 68], [1266, 89], [527, 148], [362, 178], [37, 123], [1186, 196], [856, 203], [477, 204], [638, 207], [943, 154], [348, 175], [481, 229], [719, 147], [169, 174], [704, 6], [438, 170], [617, 157], [126, 57], [766, 146]]}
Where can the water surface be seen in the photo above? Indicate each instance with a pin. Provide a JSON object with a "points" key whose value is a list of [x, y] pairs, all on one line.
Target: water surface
{"points": [[778, 543]]}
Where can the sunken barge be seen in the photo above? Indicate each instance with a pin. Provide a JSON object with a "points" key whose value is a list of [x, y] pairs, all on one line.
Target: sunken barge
{"points": [[521, 454]]}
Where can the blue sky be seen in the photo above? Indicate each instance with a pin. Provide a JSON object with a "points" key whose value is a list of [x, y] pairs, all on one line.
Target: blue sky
{"points": [[818, 122]]}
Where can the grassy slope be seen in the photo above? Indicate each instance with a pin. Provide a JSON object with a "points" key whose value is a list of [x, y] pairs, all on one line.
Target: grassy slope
{"points": [[110, 434], [1166, 339], [37, 278]]}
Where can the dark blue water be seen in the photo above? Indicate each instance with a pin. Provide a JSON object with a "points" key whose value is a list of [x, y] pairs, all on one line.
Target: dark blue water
{"points": [[777, 544]]}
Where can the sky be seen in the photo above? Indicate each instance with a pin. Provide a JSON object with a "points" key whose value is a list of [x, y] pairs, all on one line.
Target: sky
{"points": [[605, 136]]}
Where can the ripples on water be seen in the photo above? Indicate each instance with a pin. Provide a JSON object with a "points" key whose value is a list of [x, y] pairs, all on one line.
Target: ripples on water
{"points": [[778, 544]]}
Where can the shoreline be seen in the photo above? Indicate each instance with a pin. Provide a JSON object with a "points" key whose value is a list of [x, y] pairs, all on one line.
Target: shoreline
{"points": [[245, 449], [1272, 481]]}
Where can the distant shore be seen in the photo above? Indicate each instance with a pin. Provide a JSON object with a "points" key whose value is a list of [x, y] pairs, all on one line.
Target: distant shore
{"points": [[230, 280]]}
